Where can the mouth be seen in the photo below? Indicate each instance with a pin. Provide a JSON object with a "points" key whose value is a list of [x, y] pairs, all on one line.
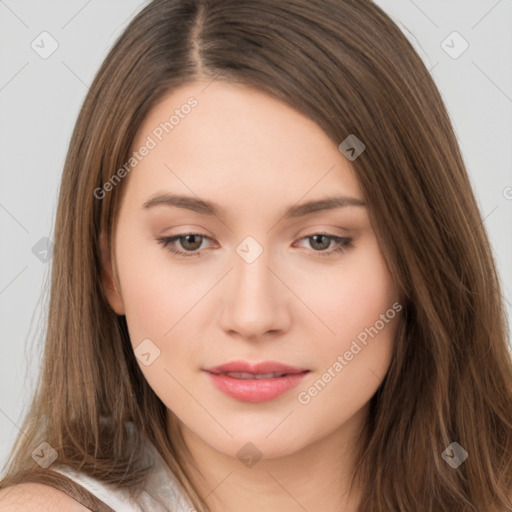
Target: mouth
{"points": [[257, 376], [265, 369], [255, 383]]}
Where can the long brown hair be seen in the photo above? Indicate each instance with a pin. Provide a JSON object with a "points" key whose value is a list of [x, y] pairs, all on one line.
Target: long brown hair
{"points": [[348, 67]]}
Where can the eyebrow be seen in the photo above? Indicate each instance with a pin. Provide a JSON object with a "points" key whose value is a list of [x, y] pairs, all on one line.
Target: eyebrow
{"points": [[209, 208]]}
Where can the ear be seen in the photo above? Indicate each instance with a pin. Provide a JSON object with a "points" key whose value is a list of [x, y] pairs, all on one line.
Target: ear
{"points": [[107, 278]]}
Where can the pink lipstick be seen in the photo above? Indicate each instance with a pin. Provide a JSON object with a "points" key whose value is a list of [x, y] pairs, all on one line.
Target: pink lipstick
{"points": [[255, 383]]}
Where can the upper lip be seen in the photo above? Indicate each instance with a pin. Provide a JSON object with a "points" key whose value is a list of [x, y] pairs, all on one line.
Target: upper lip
{"points": [[255, 368]]}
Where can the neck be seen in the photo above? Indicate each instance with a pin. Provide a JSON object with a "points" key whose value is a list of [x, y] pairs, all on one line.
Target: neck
{"points": [[316, 477]]}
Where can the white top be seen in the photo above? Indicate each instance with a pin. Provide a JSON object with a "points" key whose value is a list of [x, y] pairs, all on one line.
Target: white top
{"points": [[161, 494]]}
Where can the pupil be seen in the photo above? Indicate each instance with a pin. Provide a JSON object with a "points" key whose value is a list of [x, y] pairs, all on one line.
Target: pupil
{"points": [[325, 245], [187, 241]]}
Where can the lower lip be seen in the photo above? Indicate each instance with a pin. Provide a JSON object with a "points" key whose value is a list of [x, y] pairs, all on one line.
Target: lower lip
{"points": [[256, 390]]}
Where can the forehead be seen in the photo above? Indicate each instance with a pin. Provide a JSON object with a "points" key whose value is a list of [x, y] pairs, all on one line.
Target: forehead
{"points": [[221, 140]]}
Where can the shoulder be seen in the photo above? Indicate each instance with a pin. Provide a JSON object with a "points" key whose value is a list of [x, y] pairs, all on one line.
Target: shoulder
{"points": [[43, 498]]}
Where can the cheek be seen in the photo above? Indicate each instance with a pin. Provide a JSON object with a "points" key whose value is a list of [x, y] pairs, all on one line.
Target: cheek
{"points": [[351, 364], [344, 386], [349, 297], [157, 298], [156, 293]]}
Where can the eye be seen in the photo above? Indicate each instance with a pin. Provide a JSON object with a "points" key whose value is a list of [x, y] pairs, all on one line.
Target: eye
{"points": [[192, 242], [322, 241]]}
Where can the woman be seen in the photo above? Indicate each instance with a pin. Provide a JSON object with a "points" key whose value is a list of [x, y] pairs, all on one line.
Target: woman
{"points": [[336, 339]]}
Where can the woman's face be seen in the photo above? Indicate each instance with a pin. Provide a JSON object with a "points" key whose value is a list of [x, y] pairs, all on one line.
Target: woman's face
{"points": [[260, 278]]}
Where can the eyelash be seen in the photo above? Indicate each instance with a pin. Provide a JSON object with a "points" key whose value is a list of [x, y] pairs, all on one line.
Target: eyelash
{"points": [[343, 244]]}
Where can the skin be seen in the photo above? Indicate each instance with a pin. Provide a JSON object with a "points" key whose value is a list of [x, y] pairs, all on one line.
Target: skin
{"points": [[256, 157], [40, 497]]}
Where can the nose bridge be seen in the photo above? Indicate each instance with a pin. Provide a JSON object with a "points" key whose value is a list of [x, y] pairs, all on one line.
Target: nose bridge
{"points": [[255, 303], [252, 275]]}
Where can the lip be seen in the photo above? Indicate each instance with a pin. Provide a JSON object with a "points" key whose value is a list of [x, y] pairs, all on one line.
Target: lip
{"points": [[255, 390], [255, 368]]}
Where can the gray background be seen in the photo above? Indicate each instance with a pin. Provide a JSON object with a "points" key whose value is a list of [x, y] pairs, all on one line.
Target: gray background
{"points": [[40, 99]]}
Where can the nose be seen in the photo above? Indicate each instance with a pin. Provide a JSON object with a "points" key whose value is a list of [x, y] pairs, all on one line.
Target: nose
{"points": [[257, 303]]}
